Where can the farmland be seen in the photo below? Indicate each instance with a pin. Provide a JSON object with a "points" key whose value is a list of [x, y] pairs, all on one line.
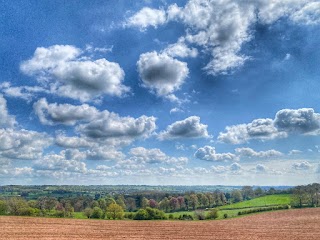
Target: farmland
{"points": [[290, 224]]}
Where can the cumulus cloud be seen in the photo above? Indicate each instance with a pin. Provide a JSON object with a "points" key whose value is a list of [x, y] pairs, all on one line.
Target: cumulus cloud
{"points": [[180, 49], [6, 120], [221, 28], [111, 125], [262, 129], [305, 165], [155, 155], [260, 168], [161, 74], [67, 114], [61, 69], [250, 153], [147, 17], [235, 167], [94, 126], [287, 121], [187, 128], [209, 153], [22, 144], [303, 120], [58, 162]]}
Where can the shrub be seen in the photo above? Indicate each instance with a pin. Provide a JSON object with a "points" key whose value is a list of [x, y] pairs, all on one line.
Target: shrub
{"points": [[185, 217], [170, 216], [97, 213], [212, 214], [141, 215], [199, 215], [225, 215]]}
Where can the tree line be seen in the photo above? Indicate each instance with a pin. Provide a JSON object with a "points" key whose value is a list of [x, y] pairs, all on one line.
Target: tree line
{"points": [[143, 205]]}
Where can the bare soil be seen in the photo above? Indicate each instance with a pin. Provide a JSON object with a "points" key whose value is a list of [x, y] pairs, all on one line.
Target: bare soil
{"points": [[289, 224]]}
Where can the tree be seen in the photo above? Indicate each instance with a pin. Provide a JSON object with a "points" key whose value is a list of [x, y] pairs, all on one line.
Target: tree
{"points": [[258, 192], [144, 202], [3, 208], [193, 201], [237, 196], [88, 212], [165, 204], [120, 201], [115, 211], [153, 203], [142, 214], [131, 204], [247, 192], [174, 203], [97, 213], [181, 202]]}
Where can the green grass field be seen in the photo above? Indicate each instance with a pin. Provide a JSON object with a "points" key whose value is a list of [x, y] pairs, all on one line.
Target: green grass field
{"points": [[271, 200]]}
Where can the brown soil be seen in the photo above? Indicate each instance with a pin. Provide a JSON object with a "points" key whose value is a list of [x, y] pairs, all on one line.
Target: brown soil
{"points": [[290, 224]]}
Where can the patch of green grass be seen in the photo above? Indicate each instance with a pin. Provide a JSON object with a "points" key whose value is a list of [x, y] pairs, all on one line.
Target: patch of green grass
{"points": [[79, 215], [270, 200]]}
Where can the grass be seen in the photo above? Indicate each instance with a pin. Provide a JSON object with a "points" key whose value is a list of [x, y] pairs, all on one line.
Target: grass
{"points": [[270, 200]]}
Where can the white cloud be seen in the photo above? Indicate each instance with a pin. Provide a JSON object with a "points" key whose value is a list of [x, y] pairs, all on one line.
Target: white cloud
{"points": [[303, 120], [155, 155], [61, 69], [209, 153], [262, 129], [305, 165], [111, 125], [22, 144], [235, 167], [58, 162], [147, 17], [260, 168], [294, 152], [309, 14], [187, 128], [221, 28], [287, 121], [250, 153], [6, 120], [67, 114], [161, 73], [180, 49]]}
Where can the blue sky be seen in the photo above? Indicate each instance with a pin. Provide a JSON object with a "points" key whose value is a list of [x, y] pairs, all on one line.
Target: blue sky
{"points": [[160, 92]]}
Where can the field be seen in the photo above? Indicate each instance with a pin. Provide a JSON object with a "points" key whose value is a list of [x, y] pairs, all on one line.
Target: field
{"points": [[289, 224], [271, 200]]}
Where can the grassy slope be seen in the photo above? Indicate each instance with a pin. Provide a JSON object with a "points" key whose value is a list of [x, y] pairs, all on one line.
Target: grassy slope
{"points": [[270, 200]]}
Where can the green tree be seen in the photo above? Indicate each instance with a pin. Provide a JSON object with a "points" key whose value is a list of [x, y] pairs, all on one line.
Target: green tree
{"points": [[88, 212], [212, 214], [236, 196], [114, 211], [97, 213], [3, 208], [193, 201]]}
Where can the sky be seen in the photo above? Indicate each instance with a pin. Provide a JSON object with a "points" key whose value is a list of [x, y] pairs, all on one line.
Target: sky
{"points": [[190, 92]]}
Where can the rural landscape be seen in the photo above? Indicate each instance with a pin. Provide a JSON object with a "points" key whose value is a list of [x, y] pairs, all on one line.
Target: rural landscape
{"points": [[156, 212], [159, 119]]}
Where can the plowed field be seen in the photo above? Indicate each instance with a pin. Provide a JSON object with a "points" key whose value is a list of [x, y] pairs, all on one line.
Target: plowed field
{"points": [[290, 224]]}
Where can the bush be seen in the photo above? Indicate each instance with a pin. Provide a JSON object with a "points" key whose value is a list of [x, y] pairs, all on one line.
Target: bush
{"points": [[199, 215], [185, 217], [141, 215], [150, 214], [212, 214], [170, 216], [129, 215], [225, 215], [97, 213]]}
